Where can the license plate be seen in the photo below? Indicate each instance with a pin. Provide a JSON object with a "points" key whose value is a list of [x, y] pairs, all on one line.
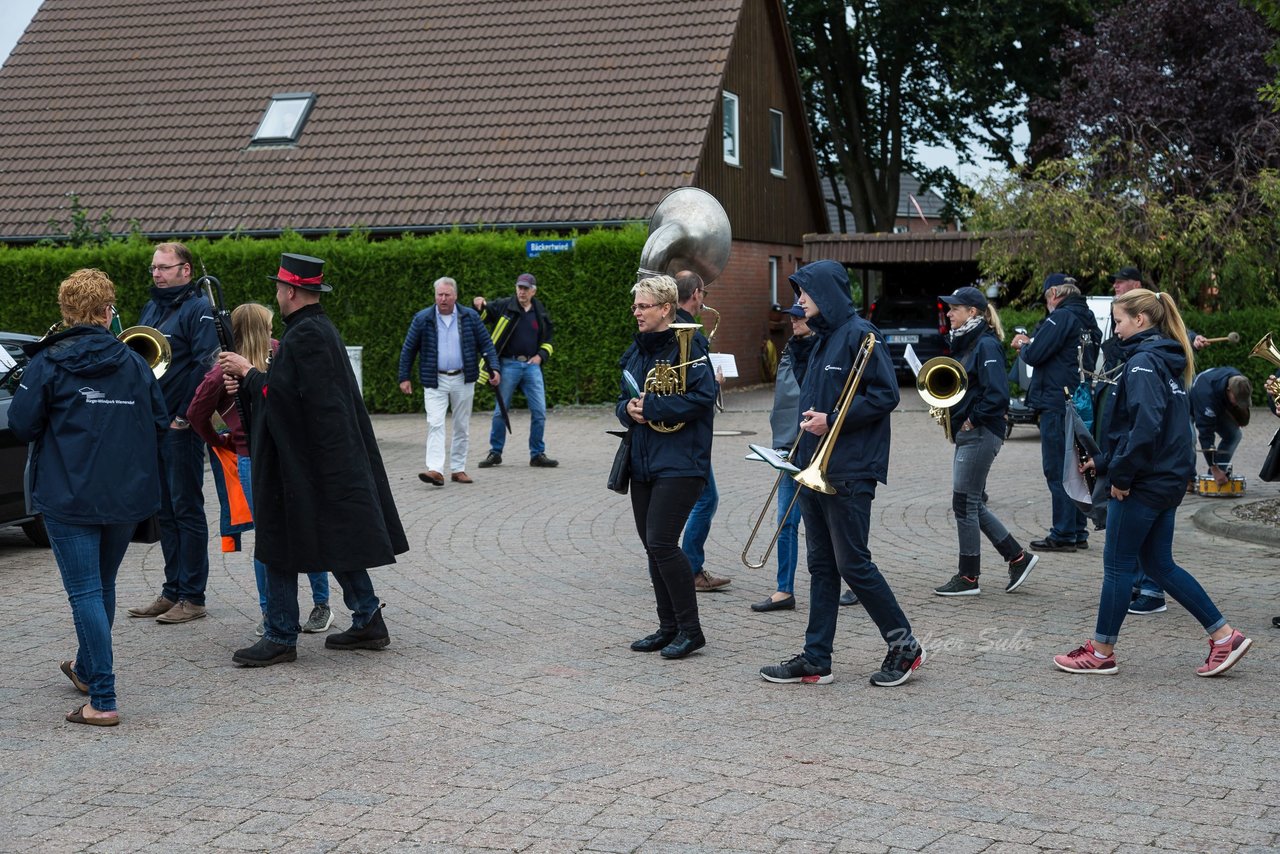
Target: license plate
{"points": [[903, 339]]}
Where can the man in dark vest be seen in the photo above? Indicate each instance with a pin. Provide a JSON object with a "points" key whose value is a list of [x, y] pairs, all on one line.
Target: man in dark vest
{"points": [[321, 496]]}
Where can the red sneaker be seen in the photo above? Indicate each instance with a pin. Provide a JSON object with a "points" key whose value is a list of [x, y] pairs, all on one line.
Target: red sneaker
{"points": [[1223, 656], [1083, 660]]}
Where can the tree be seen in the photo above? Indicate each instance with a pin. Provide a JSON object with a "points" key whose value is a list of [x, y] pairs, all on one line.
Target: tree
{"points": [[884, 77], [1168, 90]]}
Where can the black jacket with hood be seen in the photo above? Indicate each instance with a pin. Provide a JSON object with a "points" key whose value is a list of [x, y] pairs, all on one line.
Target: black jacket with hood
{"points": [[861, 451]]}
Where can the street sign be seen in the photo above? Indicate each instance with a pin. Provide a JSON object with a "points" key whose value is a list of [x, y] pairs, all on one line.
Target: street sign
{"points": [[534, 248]]}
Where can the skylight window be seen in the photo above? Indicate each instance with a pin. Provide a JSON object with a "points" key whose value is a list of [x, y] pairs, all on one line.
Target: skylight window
{"points": [[284, 118]]}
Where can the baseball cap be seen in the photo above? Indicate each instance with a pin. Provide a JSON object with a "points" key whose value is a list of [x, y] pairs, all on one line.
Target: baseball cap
{"points": [[966, 296]]}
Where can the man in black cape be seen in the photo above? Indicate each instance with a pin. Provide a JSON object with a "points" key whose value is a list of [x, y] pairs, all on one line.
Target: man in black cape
{"points": [[320, 492]]}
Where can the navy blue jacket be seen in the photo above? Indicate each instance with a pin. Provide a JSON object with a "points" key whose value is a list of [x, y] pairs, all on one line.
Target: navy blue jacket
{"points": [[686, 452], [420, 342], [1147, 447], [1054, 352], [185, 318], [94, 413], [986, 400], [1209, 406], [862, 450]]}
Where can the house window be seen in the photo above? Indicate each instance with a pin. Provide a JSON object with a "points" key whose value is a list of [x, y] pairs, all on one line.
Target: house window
{"points": [[283, 120], [729, 106], [775, 263], [775, 143]]}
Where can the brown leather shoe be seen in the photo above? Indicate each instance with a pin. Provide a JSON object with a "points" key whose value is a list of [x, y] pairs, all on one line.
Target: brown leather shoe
{"points": [[183, 612], [432, 477], [461, 477], [705, 582], [155, 609]]}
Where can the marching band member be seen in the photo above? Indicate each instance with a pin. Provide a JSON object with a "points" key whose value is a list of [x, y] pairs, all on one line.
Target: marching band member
{"points": [[837, 526], [1148, 453], [978, 429]]}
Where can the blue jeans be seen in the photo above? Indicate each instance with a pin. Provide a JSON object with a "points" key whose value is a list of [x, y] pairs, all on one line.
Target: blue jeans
{"points": [[976, 450], [184, 531], [88, 557], [699, 524], [1231, 434], [319, 580], [1068, 521], [527, 378], [788, 534], [280, 621], [836, 529], [1136, 531]]}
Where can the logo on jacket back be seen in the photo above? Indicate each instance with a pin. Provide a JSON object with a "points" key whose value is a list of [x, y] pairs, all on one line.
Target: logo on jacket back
{"points": [[92, 395]]}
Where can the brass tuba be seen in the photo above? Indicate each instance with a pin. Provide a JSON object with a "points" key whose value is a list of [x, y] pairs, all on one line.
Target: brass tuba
{"points": [[666, 378], [942, 382], [149, 343]]}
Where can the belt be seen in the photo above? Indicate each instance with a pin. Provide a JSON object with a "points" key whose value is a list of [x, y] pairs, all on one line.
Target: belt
{"points": [[450, 373], [522, 358]]}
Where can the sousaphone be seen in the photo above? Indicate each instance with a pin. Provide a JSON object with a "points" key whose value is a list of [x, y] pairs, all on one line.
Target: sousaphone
{"points": [[688, 230]]}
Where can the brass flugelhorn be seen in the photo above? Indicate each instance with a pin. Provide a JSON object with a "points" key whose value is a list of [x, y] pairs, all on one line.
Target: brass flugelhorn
{"points": [[814, 475], [942, 382], [666, 378]]}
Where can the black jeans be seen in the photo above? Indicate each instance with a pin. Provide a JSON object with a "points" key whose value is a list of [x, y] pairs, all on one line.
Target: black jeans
{"points": [[661, 508]]}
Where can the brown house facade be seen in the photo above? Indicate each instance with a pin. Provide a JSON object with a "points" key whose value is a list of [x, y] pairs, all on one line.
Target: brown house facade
{"points": [[393, 116]]}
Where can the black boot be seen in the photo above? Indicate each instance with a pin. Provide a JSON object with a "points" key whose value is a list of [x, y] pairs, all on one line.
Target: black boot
{"points": [[265, 653], [684, 643], [372, 636], [655, 641]]}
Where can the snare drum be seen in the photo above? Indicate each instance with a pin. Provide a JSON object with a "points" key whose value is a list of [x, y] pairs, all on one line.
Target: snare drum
{"points": [[1233, 488]]}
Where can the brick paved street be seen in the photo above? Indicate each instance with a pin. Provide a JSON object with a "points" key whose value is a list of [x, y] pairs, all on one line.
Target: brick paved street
{"points": [[509, 714]]}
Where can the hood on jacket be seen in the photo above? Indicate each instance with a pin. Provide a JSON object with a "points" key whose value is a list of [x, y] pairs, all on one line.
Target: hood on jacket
{"points": [[1155, 345], [827, 284], [86, 351]]}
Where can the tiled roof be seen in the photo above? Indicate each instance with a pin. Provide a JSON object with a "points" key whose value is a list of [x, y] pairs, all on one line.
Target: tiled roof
{"points": [[428, 113], [908, 186]]}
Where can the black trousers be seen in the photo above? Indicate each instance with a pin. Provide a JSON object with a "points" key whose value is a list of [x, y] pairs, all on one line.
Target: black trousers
{"points": [[661, 507]]}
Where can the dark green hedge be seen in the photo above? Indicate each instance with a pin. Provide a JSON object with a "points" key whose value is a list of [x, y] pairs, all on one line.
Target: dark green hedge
{"points": [[1251, 324], [378, 287]]}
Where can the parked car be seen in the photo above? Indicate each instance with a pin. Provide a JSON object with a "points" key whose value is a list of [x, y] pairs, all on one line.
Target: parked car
{"points": [[13, 454], [920, 322]]}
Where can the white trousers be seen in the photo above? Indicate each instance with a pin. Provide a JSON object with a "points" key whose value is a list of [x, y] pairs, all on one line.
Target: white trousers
{"points": [[453, 393]]}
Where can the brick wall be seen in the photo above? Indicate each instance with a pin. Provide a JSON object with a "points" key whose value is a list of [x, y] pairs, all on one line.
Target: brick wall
{"points": [[742, 296]]}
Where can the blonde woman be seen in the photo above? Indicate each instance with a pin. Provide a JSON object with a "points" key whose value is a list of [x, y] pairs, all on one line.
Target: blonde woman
{"points": [[251, 328]]}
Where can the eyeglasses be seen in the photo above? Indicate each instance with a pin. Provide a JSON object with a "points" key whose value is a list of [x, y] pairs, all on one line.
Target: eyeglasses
{"points": [[155, 267], [645, 306]]}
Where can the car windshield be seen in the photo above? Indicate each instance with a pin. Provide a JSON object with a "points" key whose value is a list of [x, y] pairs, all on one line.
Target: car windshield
{"points": [[922, 311]]}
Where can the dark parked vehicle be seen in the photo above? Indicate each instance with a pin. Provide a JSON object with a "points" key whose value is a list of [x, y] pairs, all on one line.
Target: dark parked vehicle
{"points": [[920, 322], [13, 454]]}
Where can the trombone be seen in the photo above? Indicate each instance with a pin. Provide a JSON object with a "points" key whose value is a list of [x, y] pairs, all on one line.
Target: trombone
{"points": [[814, 475]]}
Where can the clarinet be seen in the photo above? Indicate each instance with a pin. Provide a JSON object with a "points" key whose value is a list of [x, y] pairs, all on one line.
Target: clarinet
{"points": [[226, 338]]}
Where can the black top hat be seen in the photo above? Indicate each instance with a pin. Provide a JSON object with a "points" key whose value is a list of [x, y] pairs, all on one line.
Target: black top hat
{"points": [[302, 271]]}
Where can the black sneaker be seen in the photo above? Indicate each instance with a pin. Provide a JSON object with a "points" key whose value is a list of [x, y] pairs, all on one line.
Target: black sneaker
{"points": [[542, 461], [848, 598], [1049, 544], [797, 669], [898, 665], [654, 642], [1019, 570], [374, 635], [494, 459], [264, 653], [959, 585]]}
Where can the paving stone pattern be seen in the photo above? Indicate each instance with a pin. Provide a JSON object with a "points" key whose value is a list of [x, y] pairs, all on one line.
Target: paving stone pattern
{"points": [[509, 714]]}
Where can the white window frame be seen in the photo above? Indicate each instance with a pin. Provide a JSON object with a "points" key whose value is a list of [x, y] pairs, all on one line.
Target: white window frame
{"points": [[775, 264], [732, 135], [777, 124]]}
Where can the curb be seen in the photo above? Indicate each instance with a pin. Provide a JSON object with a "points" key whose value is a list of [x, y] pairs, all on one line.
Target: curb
{"points": [[1218, 518]]}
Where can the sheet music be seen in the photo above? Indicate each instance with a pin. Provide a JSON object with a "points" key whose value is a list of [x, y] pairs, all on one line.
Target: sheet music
{"points": [[912, 359], [773, 458], [6, 361], [725, 362]]}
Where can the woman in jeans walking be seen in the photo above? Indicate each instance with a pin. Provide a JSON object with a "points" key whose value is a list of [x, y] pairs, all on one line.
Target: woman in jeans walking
{"points": [[978, 430], [94, 414], [1149, 454]]}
